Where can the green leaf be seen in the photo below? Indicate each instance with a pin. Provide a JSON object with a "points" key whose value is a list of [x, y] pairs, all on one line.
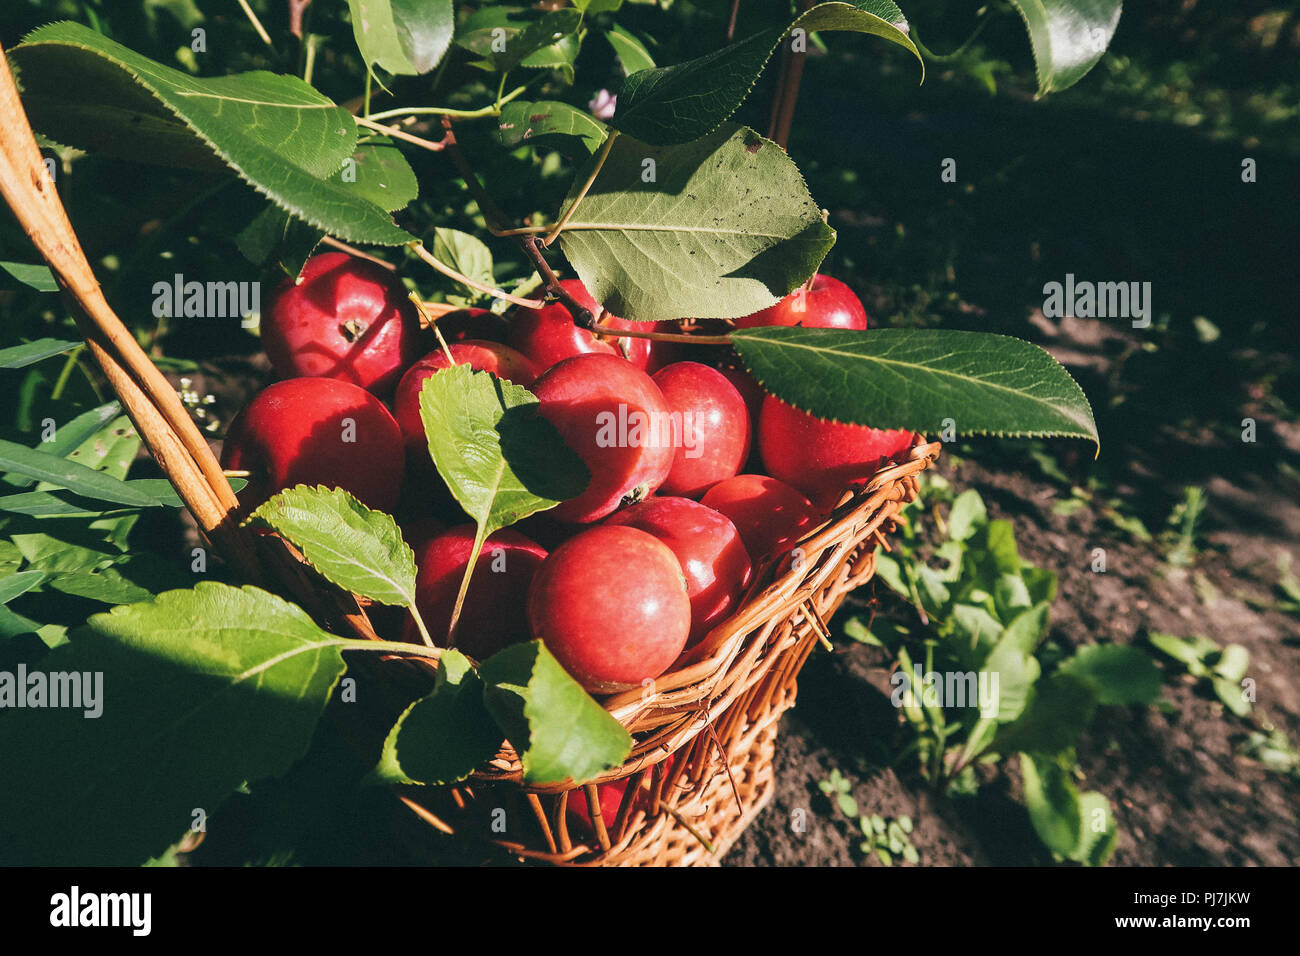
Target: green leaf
{"points": [[505, 37], [1059, 710], [358, 549], [36, 277], [53, 555], [1098, 833], [402, 36], [442, 737], [1068, 37], [276, 132], [17, 584], [1027, 629], [29, 353], [69, 437], [380, 174], [107, 586], [597, 6], [1123, 675], [726, 227], [75, 477], [547, 121], [630, 51], [1189, 651], [201, 691], [967, 514], [679, 103], [1053, 803], [1233, 664], [559, 732], [465, 253], [501, 460], [1017, 673], [560, 55], [1231, 694], [915, 378], [275, 236]]}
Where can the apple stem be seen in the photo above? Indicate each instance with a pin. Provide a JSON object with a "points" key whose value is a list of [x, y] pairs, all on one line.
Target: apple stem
{"points": [[582, 193], [433, 324]]}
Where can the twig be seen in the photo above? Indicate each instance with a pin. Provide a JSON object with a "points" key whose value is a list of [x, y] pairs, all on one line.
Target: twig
{"points": [[450, 273], [787, 93], [257, 24], [296, 10], [399, 134], [582, 193], [496, 222], [731, 23], [582, 316], [607, 332], [354, 251], [494, 110]]}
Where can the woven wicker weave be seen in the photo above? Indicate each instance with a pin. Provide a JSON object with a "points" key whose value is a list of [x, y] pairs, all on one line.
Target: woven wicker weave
{"points": [[716, 717]]}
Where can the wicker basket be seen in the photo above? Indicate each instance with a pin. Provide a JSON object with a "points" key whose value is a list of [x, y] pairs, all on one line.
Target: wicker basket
{"points": [[716, 717]]}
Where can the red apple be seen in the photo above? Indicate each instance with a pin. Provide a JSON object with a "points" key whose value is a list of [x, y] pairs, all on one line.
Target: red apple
{"points": [[829, 304], [317, 431], [345, 318], [711, 427], [611, 605], [708, 548], [500, 360], [614, 417], [769, 514], [493, 615], [548, 335], [477, 324], [819, 457], [749, 389]]}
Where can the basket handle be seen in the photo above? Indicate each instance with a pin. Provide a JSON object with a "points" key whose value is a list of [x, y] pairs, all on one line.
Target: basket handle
{"points": [[149, 399]]}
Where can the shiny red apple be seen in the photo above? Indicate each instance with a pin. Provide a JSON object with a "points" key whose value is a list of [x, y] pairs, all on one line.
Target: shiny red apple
{"points": [[316, 431], [345, 318], [829, 304]]}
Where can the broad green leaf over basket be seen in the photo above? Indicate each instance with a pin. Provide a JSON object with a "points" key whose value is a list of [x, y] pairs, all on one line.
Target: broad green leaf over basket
{"points": [[558, 730], [723, 227], [201, 691], [276, 132], [985, 384]]}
